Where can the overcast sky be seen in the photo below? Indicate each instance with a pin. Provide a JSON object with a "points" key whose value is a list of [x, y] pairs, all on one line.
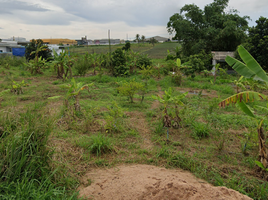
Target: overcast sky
{"points": [[125, 18]]}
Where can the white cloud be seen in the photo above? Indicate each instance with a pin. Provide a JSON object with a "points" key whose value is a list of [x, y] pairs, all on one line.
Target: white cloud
{"points": [[76, 18]]}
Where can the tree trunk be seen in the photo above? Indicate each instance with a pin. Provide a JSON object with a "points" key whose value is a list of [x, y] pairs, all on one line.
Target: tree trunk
{"points": [[167, 121], [262, 148], [76, 104], [70, 70]]}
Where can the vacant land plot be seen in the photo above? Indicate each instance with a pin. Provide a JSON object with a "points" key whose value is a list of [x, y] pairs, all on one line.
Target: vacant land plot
{"points": [[219, 146]]}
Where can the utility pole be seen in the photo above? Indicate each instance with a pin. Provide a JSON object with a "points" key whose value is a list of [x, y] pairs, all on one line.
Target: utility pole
{"points": [[110, 50]]}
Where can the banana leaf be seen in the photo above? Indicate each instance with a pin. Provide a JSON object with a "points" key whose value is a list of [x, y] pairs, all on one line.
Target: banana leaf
{"points": [[252, 64], [247, 96], [250, 69], [246, 109]]}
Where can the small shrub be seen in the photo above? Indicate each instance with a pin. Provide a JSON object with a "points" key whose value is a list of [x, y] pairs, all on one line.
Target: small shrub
{"points": [[143, 60], [96, 144], [130, 88], [114, 118], [176, 78], [201, 130], [126, 47], [82, 65], [122, 70], [100, 144], [119, 63], [164, 152]]}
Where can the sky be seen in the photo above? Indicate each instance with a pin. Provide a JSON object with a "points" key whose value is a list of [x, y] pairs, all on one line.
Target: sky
{"points": [[74, 19]]}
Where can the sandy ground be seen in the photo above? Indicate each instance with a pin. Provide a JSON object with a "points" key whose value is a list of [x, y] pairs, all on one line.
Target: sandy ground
{"points": [[149, 182]]}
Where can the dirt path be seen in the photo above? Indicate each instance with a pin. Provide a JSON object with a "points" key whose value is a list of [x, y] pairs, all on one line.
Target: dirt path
{"points": [[128, 182], [138, 122]]}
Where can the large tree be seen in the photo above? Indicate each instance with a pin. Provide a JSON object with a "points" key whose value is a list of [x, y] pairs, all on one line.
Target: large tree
{"points": [[208, 29], [33, 46], [257, 43]]}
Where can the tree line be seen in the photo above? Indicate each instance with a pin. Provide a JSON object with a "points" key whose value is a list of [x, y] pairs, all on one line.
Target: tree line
{"points": [[216, 29]]}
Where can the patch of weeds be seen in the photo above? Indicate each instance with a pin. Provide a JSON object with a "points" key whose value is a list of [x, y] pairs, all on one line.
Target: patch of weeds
{"points": [[143, 151], [114, 118], [132, 133], [164, 152], [200, 130], [57, 82], [176, 143], [133, 146], [102, 163], [159, 129], [96, 144], [249, 162], [151, 113], [212, 105]]}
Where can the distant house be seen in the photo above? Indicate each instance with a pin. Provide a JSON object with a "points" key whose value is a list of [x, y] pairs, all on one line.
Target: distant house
{"points": [[20, 40], [84, 41], [159, 39], [11, 48], [219, 56], [106, 41]]}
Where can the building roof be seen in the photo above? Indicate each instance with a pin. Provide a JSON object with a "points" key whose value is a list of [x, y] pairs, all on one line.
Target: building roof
{"points": [[58, 41], [10, 44]]}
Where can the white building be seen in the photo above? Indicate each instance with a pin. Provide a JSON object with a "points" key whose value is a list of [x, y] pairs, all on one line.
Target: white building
{"points": [[6, 46]]}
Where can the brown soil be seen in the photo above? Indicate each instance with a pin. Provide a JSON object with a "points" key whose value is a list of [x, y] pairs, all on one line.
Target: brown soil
{"points": [[138, 121], [150, 182]]}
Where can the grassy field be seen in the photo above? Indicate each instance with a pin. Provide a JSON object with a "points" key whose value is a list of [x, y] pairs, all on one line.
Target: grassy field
{"points": [[159, 51], [218, 145]]}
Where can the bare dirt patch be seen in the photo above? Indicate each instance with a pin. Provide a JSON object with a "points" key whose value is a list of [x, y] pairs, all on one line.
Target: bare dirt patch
{"points": [[150, 182], [138, 121]]}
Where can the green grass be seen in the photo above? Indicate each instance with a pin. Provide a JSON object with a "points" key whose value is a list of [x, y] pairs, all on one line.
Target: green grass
{"points": [[41, 139]]}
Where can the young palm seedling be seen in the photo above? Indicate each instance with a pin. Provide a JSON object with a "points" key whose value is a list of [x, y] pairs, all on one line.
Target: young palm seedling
{"points": [[74, 90], [16, 88], [169, 100]]}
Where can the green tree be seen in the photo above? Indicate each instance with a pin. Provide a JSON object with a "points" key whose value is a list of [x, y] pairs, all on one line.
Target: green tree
{"points": [[138, 38], [142, 38], [33, 46], [208, 29], [257, 43], [126, 47], [153, 41], [119, 63]]}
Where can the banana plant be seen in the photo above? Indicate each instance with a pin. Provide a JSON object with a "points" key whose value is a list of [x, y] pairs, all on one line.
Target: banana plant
{"points": [[17, 87], [62, 64], [96, 61], [37, 63], [167, 100], [240, 83], [249, 69], [74, 90]]}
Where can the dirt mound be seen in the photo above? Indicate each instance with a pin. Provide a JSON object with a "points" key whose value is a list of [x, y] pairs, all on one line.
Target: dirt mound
{"points": [[150, 182]]}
